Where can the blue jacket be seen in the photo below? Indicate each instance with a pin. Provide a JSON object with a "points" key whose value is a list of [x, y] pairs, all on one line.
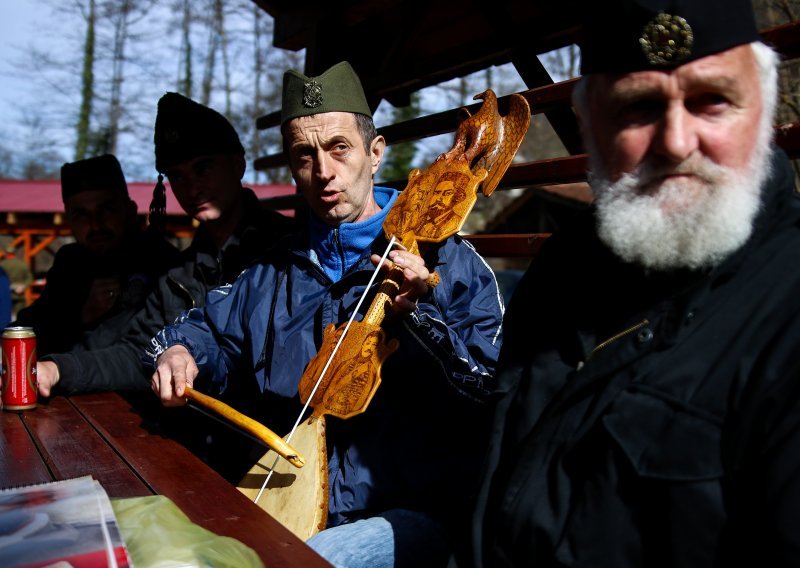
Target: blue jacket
{"points": [[5, 299], [419, 444]]}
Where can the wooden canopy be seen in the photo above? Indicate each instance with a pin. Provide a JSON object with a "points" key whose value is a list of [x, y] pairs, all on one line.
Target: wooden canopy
{"points": [[398, 47]]}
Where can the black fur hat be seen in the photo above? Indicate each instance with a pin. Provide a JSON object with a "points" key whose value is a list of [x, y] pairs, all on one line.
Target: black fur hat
{"points": [[186, 129], [102, 173]]}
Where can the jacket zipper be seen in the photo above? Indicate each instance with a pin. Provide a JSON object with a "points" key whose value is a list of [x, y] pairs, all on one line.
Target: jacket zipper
{"points": [[617, 337], [340, 248], [188, 294]]}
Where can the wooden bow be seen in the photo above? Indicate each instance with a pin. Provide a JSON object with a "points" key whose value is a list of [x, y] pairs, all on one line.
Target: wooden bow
{"points": [[264, 434], [343, 377]]}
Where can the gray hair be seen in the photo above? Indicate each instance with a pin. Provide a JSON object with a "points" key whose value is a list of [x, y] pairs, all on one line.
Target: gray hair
{"points": [[366, 127]]}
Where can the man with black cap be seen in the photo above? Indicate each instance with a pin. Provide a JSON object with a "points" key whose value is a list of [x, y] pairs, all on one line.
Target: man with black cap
{"points": [[200, 152], [399, 472], [97, 283], [649, 407]]}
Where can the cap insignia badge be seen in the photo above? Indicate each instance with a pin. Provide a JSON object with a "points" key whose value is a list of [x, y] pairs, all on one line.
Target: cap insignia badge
{"points": [[312, 94], [171, 136], [666, 40]]}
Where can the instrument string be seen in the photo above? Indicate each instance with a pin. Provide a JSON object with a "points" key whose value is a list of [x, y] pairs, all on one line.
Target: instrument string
{"points": [[328, 363]]}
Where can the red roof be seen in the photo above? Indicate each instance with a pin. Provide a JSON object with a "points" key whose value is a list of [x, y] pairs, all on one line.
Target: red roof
{"points": [[26, 196]]}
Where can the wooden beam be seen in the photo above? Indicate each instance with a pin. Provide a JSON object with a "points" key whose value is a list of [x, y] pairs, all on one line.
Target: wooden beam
{"points": [[541, 99], [787, 136], [785, 39], [517, 245]]}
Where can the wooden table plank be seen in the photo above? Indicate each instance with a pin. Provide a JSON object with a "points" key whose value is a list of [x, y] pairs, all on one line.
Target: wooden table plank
{"points": [[72, 448], [205, 497], [20, 461]]}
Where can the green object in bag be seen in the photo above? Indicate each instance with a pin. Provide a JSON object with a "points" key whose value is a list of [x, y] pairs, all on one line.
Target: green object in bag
{"points": [[158, 534]]}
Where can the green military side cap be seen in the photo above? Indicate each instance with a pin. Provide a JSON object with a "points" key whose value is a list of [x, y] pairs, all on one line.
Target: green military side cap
{"points": [[185, 130], [337, 90], [622, 36], [101, 173]]}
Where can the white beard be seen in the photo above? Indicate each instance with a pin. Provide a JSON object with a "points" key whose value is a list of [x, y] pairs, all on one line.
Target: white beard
{"points": [[679, 223]]}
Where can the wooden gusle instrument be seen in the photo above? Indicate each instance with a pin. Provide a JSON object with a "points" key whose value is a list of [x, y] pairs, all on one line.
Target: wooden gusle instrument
{"points": [[343, 377]]}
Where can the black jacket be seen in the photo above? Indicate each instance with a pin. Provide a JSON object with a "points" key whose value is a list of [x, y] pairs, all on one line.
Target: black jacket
{"points": [[650, 420], [56, 315], [201, 268]]}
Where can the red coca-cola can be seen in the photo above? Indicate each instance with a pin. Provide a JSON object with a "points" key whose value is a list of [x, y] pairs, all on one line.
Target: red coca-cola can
{"points": [[20, 387]]}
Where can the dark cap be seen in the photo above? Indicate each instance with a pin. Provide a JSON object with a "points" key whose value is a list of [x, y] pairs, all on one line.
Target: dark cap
{"points": [[337, 90], [102, 173], [186, 129], [622, 36]]}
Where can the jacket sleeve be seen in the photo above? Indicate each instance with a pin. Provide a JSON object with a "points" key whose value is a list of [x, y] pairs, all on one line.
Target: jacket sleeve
{"points": [[118, 366], [761, 448], [460, 322], [214, 335], [55, 315]]}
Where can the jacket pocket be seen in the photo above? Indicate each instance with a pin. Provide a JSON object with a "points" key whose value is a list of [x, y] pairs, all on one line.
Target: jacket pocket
{"points": [[645, 487], [664, 438]]}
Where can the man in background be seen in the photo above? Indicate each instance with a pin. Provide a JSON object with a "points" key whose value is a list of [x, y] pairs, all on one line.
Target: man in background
{"points": [[97, 283], [5, 299], [20, 277], [200, 152]]}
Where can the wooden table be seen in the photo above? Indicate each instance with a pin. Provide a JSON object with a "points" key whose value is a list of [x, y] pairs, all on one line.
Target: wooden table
{"points": [[104, 436]]}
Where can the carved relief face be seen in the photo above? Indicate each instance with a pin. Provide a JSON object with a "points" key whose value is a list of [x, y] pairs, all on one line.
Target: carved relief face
{"points": [[369, 345]]}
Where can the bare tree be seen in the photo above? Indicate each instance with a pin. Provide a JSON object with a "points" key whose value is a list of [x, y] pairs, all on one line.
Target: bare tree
{"points": [[121, 16], [219, 22], [98, 67], [258, 74], [39, 156], [87, 87], [185, 75]]}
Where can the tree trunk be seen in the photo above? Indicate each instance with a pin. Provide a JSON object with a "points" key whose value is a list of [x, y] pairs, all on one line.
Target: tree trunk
{"points": [[87, 88], [117, 75], [219, 24], [210, 63], [258, 73], [185, 81]]}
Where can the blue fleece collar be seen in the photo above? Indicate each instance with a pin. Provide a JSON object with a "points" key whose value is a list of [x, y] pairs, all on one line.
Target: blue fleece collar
{"points": [[336, 249]]}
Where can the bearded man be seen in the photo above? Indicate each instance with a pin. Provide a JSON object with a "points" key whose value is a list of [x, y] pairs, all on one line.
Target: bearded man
{"points": [[649, 401]]}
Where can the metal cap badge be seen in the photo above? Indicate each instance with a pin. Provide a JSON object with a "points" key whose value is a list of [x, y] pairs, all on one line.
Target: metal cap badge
{"points": [[312, 94], [667, 40]]}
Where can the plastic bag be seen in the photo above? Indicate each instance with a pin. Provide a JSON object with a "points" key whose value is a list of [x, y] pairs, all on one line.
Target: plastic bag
{"points": [[158, 534]]}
